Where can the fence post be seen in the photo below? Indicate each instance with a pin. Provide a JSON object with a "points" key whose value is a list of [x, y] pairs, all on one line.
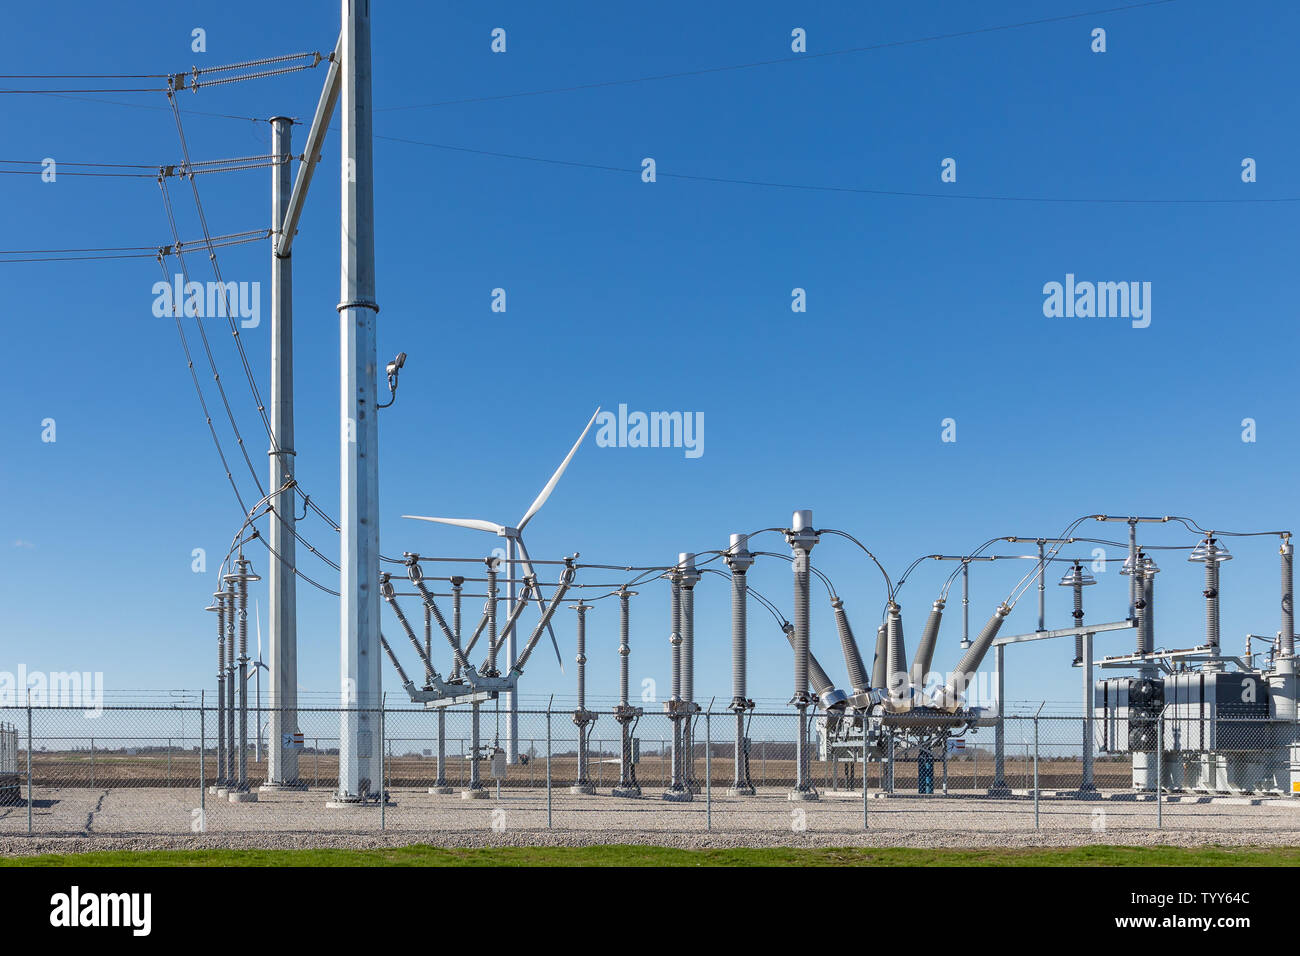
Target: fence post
{"points": [[203, 773], [29, 762], [1160, 757], [548, 762], [383, 766], [1036, 713], [708, 770], [169, 762], [864, 773], [92, 761]]}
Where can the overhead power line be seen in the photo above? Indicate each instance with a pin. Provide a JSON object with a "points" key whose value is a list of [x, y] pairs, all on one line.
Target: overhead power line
{"points": [[660, 173]]}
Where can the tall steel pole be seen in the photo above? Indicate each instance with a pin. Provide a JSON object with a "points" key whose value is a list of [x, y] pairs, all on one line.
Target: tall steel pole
{"points": [[359, 755], [282, 626]]}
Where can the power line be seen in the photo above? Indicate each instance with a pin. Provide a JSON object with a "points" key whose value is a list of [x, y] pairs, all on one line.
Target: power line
{"points": [[797, 58], [813, 187]]}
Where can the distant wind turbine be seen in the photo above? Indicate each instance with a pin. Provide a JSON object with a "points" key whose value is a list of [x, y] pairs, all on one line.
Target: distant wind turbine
{"points": [[514, 536]]}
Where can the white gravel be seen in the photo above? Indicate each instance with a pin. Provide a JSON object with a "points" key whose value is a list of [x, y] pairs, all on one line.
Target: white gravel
{"points": [[75, 820]]}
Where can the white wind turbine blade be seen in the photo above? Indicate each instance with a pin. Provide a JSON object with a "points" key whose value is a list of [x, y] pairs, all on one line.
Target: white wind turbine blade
{"points": [[541, 601], [257, 613], [475, 523], [536, 506]]}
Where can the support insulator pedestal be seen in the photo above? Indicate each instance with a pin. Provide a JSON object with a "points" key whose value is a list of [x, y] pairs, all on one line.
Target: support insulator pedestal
{"points": [[218, 605], [582, 717], [625, 715], [802, 537], [676, 707], [740, 561], [239, 580]]}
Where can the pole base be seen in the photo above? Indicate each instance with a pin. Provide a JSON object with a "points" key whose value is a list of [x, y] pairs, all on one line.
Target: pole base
{"points": [[278, 787], [631, 793], [479, 793], [678, 796], [213, 788], [998, 790], [583, 788], [345, 802], [222, 791], [804, 796], [243, 796], [746, 791], [442, 789]]}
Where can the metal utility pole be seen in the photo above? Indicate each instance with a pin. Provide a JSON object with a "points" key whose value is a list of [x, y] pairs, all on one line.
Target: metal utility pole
{"points": [[359, 753], [282, 626]]}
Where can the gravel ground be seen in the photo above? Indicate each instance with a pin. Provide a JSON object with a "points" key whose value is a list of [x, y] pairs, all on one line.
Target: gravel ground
{"points": [[81, 819]]}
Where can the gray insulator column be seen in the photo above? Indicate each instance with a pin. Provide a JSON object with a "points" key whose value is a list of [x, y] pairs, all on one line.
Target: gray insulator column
{"points": [[1140, 609], [925, 649], [849, 647], [457, 586], [1288, 600], [676, 706], [1076, 579], [416, 575], [218, 606], [625, 713], [880, 665], [240, 580], [801, 624], [896, 656], [1149, 599], [397, 665], [675, 638], [566, 581], [582, 717], [822, 685], [974, 656], [389, 595], [1211, 554], [1077, 614], [231, 776], [740, 561], [690, 577], [802, 537], [490, 606]]}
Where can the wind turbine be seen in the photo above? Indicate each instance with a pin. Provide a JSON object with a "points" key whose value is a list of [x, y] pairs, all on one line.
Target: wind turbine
{"points": [[515, 543], [256, 673]]}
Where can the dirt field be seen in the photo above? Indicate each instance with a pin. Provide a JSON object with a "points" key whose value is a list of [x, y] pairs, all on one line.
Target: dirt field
{"points": [[181, 769]]}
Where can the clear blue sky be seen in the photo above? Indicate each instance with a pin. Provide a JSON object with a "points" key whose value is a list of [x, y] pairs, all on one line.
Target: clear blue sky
{"points": [[671, 296]]}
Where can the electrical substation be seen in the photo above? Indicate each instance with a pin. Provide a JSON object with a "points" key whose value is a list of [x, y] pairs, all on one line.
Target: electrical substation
{"points": [[1193, 718], [1179, 714]]}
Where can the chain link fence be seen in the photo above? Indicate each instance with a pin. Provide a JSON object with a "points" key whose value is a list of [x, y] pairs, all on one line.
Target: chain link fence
{"points": [[155, 770]]}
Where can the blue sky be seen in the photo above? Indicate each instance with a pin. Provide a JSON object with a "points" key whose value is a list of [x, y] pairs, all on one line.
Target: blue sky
{"points": [[673, 295]]}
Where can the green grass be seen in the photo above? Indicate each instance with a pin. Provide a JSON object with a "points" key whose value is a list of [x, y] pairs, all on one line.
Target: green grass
{"points": [[625, 855]]}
